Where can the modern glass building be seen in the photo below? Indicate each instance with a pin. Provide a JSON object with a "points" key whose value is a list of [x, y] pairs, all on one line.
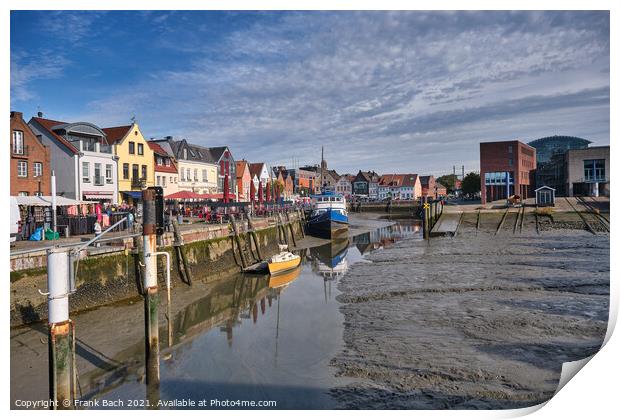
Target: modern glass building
{"points": [[550, 160]]}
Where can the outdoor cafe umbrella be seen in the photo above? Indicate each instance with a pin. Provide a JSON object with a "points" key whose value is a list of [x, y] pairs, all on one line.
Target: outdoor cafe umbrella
{"points": [[226, 187], [268, 192], [252, 191], [260, 192]]}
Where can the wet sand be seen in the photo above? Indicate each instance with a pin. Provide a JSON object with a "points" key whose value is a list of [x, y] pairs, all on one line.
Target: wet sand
{"points": [[477, 321]]}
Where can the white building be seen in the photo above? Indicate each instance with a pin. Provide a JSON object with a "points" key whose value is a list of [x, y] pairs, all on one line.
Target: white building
{"points": [[83, 161]]}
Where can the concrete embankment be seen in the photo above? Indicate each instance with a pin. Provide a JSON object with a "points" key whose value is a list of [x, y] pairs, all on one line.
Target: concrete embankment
{"points": [[112, 273], [474, 321]]}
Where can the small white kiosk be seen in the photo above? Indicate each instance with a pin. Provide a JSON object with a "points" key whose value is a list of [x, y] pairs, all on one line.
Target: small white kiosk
{"points": [[545, 196]]}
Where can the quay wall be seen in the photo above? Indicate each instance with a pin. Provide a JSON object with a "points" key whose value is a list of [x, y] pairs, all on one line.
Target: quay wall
{"points": [[113, 274]]}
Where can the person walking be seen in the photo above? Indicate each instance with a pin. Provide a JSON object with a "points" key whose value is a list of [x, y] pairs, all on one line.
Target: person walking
{"points": [[130, 221]]}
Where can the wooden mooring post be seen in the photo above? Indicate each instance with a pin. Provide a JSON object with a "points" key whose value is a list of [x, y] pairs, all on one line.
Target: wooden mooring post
{"points": [[61, 331], [151, 294], [254, 237], [290, 226], [184, 269], [237, 240]]}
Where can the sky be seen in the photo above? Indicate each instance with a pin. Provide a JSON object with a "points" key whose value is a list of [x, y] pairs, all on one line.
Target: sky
{"points": [[409, 92]]}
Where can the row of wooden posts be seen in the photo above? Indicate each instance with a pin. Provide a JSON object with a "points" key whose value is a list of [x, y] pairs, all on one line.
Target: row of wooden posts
{"points": [[251, 245]]}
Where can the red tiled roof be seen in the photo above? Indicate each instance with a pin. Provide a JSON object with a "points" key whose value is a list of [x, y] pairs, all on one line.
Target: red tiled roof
{"points": [[48, 124], [116, 134], [158, 150], [398, 180], [240, 167]]}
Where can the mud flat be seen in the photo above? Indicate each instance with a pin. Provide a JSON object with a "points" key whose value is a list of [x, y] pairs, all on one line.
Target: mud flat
{"points": [[471, 322]]}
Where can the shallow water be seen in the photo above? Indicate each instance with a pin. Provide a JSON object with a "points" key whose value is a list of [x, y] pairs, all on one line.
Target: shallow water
{"points": [[245, 338]]}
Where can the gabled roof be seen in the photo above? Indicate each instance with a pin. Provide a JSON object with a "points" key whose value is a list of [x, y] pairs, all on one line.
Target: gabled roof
{"points": [[48, 124], [256, 169], [116, 134], [240, 167], [425, 179], [398, 180], [159, 151]]}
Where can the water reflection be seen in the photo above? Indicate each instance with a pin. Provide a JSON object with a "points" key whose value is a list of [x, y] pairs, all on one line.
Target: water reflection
{"points": [[262, 333]]}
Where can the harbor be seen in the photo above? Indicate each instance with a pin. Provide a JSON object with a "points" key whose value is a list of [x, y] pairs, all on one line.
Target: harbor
{"points": [[236, 335]]}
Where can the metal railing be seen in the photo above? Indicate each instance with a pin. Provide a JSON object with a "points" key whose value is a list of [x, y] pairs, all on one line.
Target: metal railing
{"points": [[138, 182]]}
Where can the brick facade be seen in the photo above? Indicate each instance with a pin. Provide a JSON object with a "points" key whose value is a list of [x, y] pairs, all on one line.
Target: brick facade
{"points": [[507, 156], [28, 156]]}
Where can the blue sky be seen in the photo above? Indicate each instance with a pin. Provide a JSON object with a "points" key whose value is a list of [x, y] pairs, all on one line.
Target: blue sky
{"points": [[389, 91]]}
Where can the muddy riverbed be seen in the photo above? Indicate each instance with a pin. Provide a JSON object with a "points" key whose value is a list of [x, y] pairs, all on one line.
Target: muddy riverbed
{"points": [[471, 322]]}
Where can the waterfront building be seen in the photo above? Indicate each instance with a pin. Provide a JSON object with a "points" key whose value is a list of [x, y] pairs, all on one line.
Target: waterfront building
{"points": [[30, 160], [198, 171], [166, 172], [344, 185], [81, 157], [399, 187], [226, 169], [506, 168], [289, 186], [428, 183], [260, 178], [366, 184], [305, 182], [550, 159], [244, 179], [136, 164], [587, 171]]}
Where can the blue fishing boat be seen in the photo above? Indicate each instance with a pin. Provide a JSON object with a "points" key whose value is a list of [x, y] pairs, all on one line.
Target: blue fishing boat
{"points": [[329, 218]]}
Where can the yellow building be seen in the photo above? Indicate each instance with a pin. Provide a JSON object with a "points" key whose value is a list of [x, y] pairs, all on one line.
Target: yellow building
{"points": [[136, 165]]}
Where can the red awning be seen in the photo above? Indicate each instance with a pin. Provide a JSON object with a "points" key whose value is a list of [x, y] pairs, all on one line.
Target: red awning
{"points": [[210, 196]]}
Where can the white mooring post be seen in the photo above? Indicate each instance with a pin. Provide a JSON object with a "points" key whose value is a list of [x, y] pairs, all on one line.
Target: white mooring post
{"points": [[61, 331], [151, 295]]}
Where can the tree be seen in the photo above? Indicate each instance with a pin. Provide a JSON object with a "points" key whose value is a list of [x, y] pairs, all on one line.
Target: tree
{"points": [[448, 181], [471, 183]]}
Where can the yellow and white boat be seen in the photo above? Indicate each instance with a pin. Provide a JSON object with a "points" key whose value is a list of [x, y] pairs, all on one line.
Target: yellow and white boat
{"points": [[284, 261], [283, 279]]}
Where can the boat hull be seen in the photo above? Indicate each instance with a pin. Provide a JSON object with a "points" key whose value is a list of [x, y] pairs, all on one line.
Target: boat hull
{"points": [[330, 224], [283, 266]]}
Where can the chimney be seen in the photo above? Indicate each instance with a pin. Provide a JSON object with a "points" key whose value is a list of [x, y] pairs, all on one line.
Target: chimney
{"points": [[40, 114], [15, 114]]}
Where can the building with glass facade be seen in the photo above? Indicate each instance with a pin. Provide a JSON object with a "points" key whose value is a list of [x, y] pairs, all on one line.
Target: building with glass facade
{"points": [[550, 160]]}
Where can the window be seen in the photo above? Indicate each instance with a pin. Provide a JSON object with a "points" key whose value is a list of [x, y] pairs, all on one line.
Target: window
{"points": [[140, 149], [85, 172], [158, 180], [22, 169], [185, 154], [160, 161], [132, 148], [135, 171], [509, 149], [594, 170], [195, 174], [88, 145], [38, 193], [163, 180], [188, 174], [18, 142], [23, 193], [510, 162], [38, 169], [108, 173], [204, 175], [98, 177], [143, 171], [125, 171]]}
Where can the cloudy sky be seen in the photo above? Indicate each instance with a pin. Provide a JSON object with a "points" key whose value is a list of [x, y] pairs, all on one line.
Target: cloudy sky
{"points": [[389, 91]]}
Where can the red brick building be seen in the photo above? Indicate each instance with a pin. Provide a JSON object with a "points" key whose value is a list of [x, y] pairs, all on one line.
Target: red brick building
{"points": [[506, 168], [30, 160]]}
